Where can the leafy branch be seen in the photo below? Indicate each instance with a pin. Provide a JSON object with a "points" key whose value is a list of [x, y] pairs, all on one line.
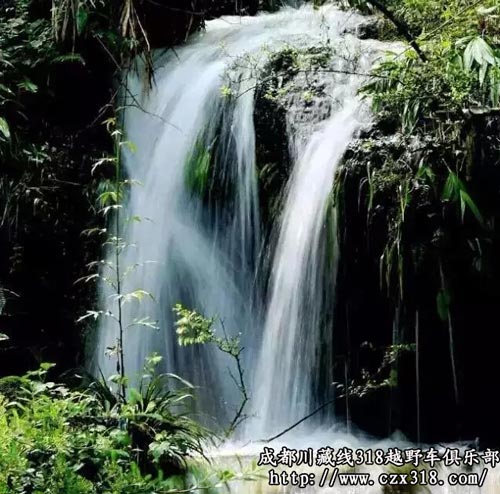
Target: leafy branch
{"points": [[194, 329]]}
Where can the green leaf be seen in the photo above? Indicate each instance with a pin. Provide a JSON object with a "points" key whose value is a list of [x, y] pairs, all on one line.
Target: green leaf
{"points": [[483, 70], [45, 366], [154, 359], [28, 86], [82, 17], [466, 201], [115, 454], [485, 11], [443, 305], [109, 197], [450, 191], [192, 328], [135, 295], [4, 128], [145, 322], [135, 396], [178, 379], [197, 171], [226, 475], [3, 337], [494, 88], [426, 171], [480, 52], [132, 147], [410, 115], [69, 57], [5, 89]]}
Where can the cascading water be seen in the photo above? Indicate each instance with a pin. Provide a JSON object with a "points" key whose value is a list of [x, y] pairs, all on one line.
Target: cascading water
{"points": [[201, 248], [288, 364], [200, 245]]}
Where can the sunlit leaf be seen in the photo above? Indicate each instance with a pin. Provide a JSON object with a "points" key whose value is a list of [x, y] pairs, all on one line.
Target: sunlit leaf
{"points": [[4, 128], [479, 51]]}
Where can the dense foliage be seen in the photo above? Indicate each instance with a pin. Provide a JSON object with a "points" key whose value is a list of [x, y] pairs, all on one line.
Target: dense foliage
{"points": [[443, 91], [46, 194], [58, 62], [57, 440], [420, 192], [58, 67], [460, 71]]}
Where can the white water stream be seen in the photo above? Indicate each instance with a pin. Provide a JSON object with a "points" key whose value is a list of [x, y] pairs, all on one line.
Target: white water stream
{"points": [[207, 256], [182, 250]]}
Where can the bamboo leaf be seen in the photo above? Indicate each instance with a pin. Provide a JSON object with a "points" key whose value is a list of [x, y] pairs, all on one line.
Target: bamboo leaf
{"points": [[135, 295], [466, 201], [90, 313], [82, 17], [6, 90], [483, 70], [450, 191], [28, 86], [443, 305], [479, 51], [69, 57], [4, 128]]}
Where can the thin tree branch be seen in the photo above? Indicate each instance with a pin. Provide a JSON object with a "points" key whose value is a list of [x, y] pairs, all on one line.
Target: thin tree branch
{"points": [[288, 429], [401, 26], [239, 417]]}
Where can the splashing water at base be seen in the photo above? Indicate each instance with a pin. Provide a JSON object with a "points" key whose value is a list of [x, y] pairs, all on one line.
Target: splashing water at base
{"points": [[242, 458]]}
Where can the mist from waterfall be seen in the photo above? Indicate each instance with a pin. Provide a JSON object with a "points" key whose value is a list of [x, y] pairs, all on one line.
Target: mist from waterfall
{"points": [[206, 254]]}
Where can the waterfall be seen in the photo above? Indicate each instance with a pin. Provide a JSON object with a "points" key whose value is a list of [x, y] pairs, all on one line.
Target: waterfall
{"points": [[197, 240], [288, 365]]}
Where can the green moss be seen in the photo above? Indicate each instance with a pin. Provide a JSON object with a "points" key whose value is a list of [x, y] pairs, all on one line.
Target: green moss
{"points": [[278, 81], [197, 170], [386, 180]]}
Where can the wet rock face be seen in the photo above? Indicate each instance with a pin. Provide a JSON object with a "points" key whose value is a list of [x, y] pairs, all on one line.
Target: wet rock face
{"points": [[232, 7], [272, 153], [376, 170], [296, 92], [371, 28], [289, 102], [168, 22]]}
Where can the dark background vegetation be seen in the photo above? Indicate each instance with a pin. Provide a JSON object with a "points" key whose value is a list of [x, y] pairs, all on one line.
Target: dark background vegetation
{"points": [[55, 98]]}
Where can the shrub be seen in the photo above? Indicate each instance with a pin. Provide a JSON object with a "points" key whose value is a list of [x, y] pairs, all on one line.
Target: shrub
{"points": [[57, 440]]}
